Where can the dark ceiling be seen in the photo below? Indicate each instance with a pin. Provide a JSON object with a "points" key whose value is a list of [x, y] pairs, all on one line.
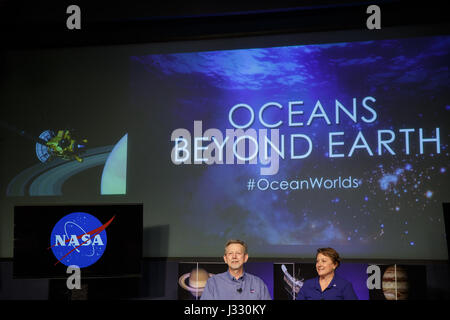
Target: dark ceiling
{"points": [[43, 23]]}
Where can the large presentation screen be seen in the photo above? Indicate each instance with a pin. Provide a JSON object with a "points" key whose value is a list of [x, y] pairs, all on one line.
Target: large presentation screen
{"points": [[297, 147], [288, 145]]}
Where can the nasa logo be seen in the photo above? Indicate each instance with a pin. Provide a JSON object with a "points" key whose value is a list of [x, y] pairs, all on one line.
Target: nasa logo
{"points": [[79, 239]]}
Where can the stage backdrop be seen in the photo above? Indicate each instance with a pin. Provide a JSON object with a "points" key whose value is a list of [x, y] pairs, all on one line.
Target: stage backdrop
{"points": [[290, 146]]}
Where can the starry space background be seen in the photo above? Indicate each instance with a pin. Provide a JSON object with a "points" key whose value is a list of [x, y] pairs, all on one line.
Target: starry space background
{"points": [[395, 213]]}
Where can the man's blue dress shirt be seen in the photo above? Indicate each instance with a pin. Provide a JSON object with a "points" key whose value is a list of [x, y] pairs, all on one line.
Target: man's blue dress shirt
{"points": [[224, 286], [338, 289]]}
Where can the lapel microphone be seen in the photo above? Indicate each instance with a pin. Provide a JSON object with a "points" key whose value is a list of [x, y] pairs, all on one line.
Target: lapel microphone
{"points": [[239, 290]]}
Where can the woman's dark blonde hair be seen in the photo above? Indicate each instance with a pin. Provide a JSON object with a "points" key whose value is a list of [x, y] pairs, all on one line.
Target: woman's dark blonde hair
{"points": [[330, 253]]}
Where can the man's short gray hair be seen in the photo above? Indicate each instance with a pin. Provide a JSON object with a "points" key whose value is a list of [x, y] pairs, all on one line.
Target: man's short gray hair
{"points": [[242, 243]]}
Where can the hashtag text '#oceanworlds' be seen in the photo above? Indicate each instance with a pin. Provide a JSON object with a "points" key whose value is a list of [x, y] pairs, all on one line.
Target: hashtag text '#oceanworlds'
{"points": [[304, 184]]}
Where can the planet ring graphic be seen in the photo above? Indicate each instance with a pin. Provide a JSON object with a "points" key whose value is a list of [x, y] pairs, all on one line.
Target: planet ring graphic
{"points": [[195, 286]]}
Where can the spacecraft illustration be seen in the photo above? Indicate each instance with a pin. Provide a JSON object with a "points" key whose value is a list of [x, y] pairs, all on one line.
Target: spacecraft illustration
{"points": [[52, 144], [60, 154], [293, 285], [61, 144]]}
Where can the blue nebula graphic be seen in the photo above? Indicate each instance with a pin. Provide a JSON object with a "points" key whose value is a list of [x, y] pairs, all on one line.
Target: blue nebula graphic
{"points": [[386, 180]]}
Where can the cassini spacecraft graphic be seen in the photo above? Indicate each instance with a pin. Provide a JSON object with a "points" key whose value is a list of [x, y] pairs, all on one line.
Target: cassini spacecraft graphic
{"points": [[61, 154], [61, 144]]}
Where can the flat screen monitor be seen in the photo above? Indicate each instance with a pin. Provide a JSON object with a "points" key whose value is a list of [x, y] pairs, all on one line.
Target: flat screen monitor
{"points": [[102, 240]]}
